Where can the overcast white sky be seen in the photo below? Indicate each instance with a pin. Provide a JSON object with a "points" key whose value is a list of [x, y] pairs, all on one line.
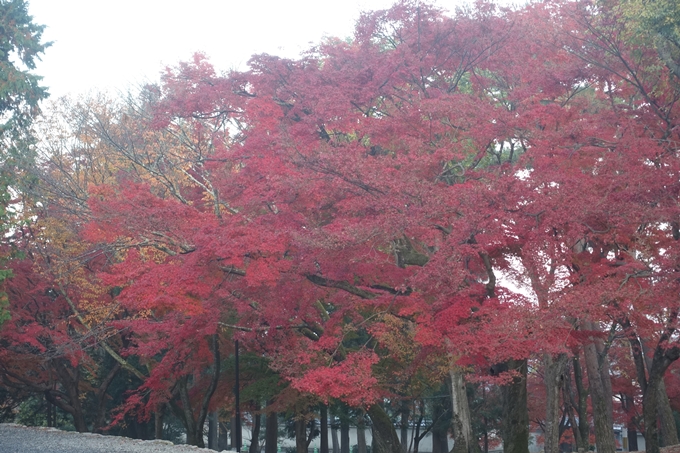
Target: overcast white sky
{"points": [[115, 45]]}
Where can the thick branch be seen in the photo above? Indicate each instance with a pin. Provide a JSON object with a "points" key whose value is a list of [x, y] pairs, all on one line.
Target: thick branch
{"points": [[261, 328], [233, 270], [343, 285]]}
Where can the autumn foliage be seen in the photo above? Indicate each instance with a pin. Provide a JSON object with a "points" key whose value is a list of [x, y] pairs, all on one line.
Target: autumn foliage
{"points": [[442, 197]]}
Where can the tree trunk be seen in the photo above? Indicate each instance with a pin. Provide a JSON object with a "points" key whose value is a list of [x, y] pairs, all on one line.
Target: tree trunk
{"points": [[233, 440], [667, 430], [210, 391], [344, 434], [79, 418], [553, 378], [661, 360], [632, 438], [583, 425], [193, 424], [69, 379], [213, 430], [440, 442], [324, 429], [100, 395], [70, 383], [604, 427], [605, 376], [628, 404], [641, 372], [582, 433], [336, 442], [50, 421], [271, 433], [669, 433], [361, 435], [300, 434], [650, 402], [461, 421], [312, 428], [158, 422], [188, 415], [417, 436], [404, 413], [572, 422], [222, 436], [485, 422], [54, 417], [257, 422], [385, 439], [440, 429], [515, 410], [644, 360]]}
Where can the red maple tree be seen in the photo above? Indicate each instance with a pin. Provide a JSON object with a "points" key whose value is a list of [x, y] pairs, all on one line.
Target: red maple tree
{"points": [[502, 182]]}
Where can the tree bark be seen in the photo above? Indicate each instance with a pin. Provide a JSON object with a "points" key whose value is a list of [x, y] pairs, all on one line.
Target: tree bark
{"points": [[404, 413], [75, 412], [628, 403], [188, 414], [50, 421], [100, 394], [158, 422], [418, 436], [222, 436], [661, 360], [69, 379], [324, 429], [440, 429], [344, 435], [604, 427], [385, 439], [581, 406], [210, 391], [440, 442], [312, 428], [515, 410], [271, 433], [650, 402], [193, 424], [667, 430], [632, 437], [461, 420], [605, 376], [257, 422], [644, 361], [300, 434], [553, 379], [336, 442], [361, 435], [233, 440], [213, 430]]}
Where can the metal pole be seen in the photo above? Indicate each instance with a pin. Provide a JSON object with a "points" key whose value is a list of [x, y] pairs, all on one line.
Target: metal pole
{"points": [[238, 405]]}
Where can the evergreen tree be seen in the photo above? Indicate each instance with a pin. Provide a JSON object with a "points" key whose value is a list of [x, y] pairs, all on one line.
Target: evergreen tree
{"points": [[20, 93]]}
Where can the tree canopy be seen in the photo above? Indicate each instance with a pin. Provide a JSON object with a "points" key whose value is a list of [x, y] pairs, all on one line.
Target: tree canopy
{"points": [[487, 199]]}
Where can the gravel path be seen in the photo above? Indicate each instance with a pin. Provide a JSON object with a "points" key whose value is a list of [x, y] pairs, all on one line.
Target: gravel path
{"points": [[20, 439]]}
